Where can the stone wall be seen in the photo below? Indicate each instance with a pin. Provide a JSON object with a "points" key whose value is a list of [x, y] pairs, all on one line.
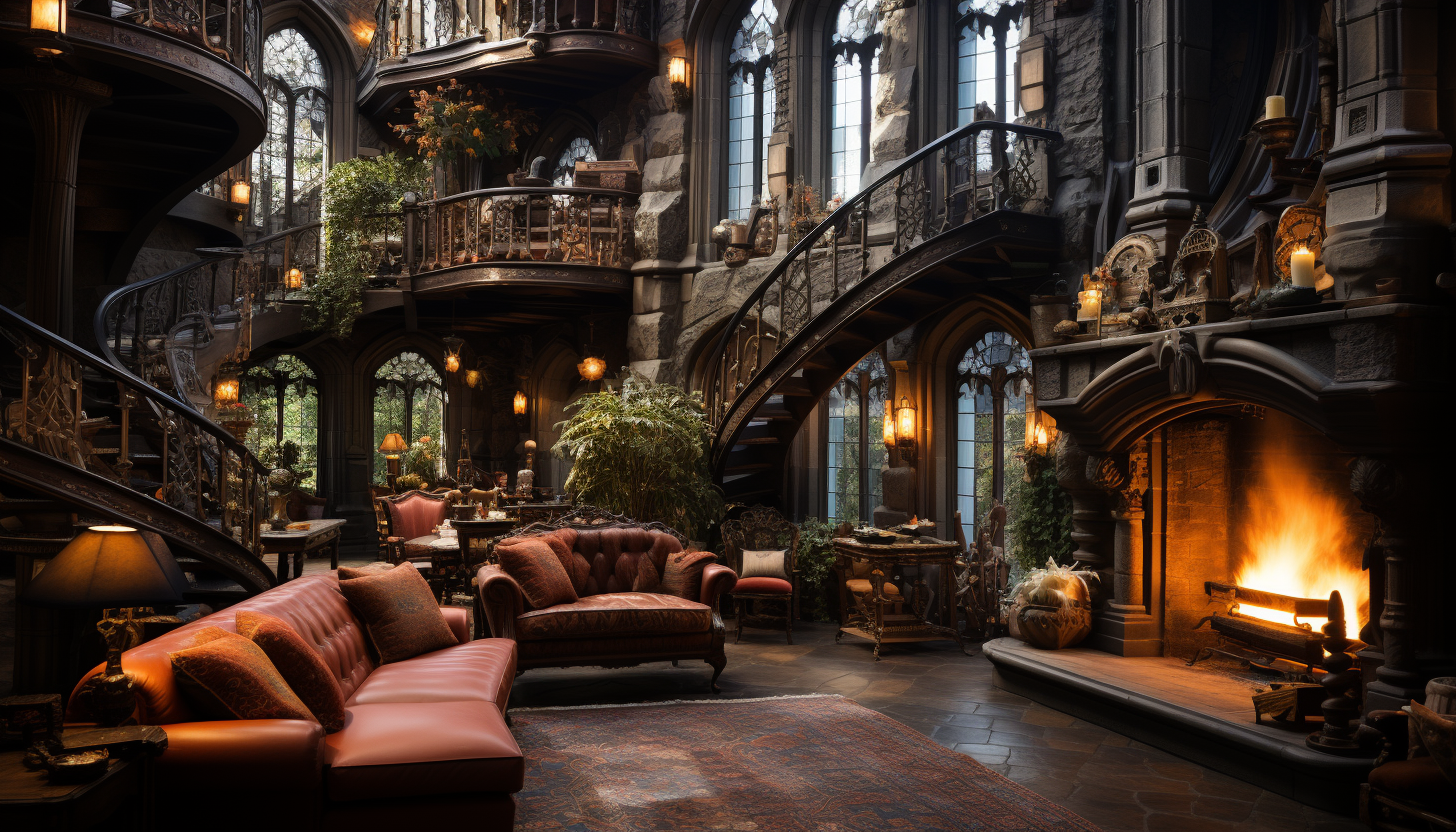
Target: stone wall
{"points": [[1199, 516]]}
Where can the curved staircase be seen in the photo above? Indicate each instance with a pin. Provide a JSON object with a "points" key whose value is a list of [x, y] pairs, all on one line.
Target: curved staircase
{"points": [[964, 215]]}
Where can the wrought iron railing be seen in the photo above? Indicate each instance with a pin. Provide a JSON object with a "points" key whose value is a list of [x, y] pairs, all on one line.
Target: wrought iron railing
{"points": [[583, 226], [968, 173], [76, 407], [155, 327], [230, 29], [402, 27]]}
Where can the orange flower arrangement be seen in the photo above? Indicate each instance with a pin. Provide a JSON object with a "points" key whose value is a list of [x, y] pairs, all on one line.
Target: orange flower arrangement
{"points": [[463, 119]]}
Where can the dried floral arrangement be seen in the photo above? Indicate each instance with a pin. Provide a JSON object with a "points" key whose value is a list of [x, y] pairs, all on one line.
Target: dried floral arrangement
{"points": [[458, 119]]}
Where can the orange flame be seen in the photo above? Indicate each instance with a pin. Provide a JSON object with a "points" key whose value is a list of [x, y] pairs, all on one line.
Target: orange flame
{"points": [[1297, 542]]}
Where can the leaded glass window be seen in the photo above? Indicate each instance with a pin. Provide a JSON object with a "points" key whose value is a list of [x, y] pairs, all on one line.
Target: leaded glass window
{"points": [[855, 452], [289, 166], [854, 69], [578, 149], [751, 105], [992, 383], [283, 393], [409, 399], [986, 33]]}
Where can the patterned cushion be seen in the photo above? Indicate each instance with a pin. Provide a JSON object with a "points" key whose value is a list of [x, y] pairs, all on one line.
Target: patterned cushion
{"points": [[302, 667], [684, 574], [350, 572], [764, 563], [399, 611], [576, 566], [536, 568], [762, 586], [226, 676]]}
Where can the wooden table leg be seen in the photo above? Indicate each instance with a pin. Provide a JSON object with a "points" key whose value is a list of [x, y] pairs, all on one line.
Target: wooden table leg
{"points": [[282, 567], [298, 558], [334, 552]]}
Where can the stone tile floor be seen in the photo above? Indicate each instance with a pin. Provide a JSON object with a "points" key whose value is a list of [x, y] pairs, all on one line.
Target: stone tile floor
{"points": [[1117, 783]]}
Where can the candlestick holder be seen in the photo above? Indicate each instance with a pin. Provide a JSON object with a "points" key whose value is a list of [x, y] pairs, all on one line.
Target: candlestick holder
{"points": [[1277, 136]]}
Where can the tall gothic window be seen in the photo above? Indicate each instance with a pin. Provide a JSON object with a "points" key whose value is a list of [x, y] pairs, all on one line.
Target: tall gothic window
{"points": [[409, 399], [751, 105], [578, 149], [283, 393], [986, 33], [856, 448], [992, 381], [854, 67], [289, 166]]}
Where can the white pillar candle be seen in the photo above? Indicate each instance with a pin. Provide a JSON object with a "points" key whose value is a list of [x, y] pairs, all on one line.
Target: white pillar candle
{"points": [[1301, 268], [1274, 107], [1089, 305]]}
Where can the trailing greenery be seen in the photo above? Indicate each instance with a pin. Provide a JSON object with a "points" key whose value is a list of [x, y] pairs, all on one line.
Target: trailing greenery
{"points": [[814, 563], [642, 452], [355, 193], [1039, 514]]}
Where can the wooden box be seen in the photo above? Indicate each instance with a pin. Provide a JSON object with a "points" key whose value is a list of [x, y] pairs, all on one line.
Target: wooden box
{"points": [[617, 175]]}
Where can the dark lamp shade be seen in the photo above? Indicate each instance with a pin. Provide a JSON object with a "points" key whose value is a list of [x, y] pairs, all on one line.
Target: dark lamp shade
{"points": [[108, 566], [393, 444]]}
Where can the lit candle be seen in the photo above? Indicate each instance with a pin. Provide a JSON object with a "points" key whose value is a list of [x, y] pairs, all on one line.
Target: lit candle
{"points": [[1301, 268], [1274, 107], [1089, 305]]}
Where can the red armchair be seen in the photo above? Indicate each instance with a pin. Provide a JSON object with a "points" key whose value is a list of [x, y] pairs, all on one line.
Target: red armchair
{"points": [[410, 515]]}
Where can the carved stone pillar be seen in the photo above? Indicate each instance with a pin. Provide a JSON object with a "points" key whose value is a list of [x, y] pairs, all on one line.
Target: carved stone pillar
{"points": [[1388, 210], [1123, 626], [56, 104], [1091, 524], [1384, 490]]}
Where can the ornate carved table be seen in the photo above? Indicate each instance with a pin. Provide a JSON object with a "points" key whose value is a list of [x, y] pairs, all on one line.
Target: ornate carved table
{"points": [[320, 534], [870, 621]]}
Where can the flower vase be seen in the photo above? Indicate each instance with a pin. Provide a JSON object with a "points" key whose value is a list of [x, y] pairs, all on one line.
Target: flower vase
{"points": [[239, 430], [279, 519]]}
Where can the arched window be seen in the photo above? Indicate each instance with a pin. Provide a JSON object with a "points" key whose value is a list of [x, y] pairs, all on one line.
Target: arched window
{"points": [[289, 166], [578, 149], [992, 381], [854, 67], [409, 399], [751, 104], [283, 392], [856, 448], [986, 33]]}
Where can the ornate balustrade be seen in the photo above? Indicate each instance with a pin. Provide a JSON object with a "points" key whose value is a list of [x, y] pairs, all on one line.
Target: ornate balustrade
{"points": [[230, 29], [576, 226], [965, 175], [77, 408], [403, 27], [156, 327]]}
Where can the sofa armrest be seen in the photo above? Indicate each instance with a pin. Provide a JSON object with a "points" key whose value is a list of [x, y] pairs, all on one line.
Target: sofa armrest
{"points": [[717, 580], [459, 621], [245, 756], [500, 599]]}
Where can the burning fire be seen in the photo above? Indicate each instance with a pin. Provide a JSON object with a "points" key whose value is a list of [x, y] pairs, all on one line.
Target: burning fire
{"points": [[1297, 543]]}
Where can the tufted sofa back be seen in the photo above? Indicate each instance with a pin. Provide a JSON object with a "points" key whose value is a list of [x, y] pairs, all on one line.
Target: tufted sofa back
{"points": [[312, 605], [617, 559]]}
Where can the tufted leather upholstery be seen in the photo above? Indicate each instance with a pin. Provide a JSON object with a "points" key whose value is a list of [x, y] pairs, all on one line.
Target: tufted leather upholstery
{"points": [[619, 617], [450, 702]]}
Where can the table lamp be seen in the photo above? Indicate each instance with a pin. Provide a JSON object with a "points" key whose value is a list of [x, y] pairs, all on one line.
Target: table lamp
{"points": [[392, 446], [109, 567]]}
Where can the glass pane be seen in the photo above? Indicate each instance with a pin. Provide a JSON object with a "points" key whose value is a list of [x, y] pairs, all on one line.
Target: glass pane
{"points": [[294, 150], [283, 393], [578, 150], [409, 399], [993, 378]]}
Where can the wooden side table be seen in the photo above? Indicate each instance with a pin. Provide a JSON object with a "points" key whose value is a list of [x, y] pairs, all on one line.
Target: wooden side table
{"points": [[296, 545], [28, 800], [871, 621]]}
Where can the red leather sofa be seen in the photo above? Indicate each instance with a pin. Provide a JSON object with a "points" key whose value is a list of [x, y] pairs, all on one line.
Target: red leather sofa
{"points": [[425, 740], [606, 626]]}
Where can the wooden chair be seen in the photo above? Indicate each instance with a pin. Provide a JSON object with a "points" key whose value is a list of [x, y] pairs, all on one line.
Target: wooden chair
{"points": [[304, 506], [377, 493], [763, 529]]}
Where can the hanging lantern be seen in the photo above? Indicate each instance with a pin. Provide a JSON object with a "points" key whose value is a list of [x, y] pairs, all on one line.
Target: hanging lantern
{"points": [[472, 377], [519, 403], [47, 28], [905, 423], [241, 193], [226, 388], [452, 354], [592, 368], [295, 279]]}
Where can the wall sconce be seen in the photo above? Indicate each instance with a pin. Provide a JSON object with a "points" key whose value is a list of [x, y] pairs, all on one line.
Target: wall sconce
{"points": [[47, 28], [519, 403], [392, 446], [889, 424], [472, 377], [452, 354], [294, 279], [905, 428], [677, 79], [227, 387], [1041, 429], [240, 194]]}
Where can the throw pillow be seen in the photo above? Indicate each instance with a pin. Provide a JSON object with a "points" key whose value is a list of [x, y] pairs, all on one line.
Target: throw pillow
{"points": [[225, 676], [347, 573], [764, 563], [532, 563], [301, 665], [399, 613], [683, 575], [575, 565]]}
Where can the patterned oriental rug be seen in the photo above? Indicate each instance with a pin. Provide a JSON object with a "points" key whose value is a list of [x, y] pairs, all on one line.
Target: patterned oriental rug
{"points": [[790, 763]]}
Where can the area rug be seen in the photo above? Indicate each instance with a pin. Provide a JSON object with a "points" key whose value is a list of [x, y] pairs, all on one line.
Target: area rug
{"points": [[791, 763]]}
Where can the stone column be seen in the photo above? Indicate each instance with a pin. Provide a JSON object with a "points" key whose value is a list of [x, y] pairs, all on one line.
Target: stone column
{"points": [[1123, 626], [1388, 208], [56, 104], [1091, 523]]}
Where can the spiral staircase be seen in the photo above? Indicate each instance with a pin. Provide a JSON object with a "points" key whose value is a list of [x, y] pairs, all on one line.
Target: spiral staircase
{"points": [[964, 216]]}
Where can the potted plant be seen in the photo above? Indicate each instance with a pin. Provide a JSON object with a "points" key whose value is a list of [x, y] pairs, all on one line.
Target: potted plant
{"points": [[818, 584], [457, 125], [283, 458], [643, 452], [422, 460]]}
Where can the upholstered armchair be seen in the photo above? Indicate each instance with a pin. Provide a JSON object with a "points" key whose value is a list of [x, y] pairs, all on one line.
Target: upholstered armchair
{"points": [[766, 583], [410, 515], [304, 506]]}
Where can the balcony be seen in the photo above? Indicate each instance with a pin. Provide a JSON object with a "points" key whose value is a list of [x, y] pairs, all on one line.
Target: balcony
{"points": [[562, 49]]}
